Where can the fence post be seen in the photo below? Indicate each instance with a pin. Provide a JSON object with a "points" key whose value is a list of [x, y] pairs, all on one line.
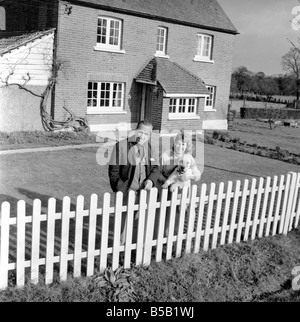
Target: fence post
{"points": [[184, 200], [64, 248], [191, 219], [161, 226], [92, 235], [104, 232], [277, 209], [20, 263], [289, 210], [117, 230], [129, 228], [35, 243], [141, 227], [4, 244], [263, 219], [78, 236], [50, 240], [284, 207], [226, 212], [207, 229], [242, 211], [200, 218], [271, 206], [236, 198], [150, 218], [297, 199]]}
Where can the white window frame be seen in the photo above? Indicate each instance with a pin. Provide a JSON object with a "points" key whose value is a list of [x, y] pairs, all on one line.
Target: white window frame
{"points": [[97, 97], [210, 100], [201, 54], [107, 46], [181, 107], [163, 52]]}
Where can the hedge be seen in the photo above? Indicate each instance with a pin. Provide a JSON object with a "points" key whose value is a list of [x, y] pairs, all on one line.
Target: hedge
{"points": [[253, 113]]}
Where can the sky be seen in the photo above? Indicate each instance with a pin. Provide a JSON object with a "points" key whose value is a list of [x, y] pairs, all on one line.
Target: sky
{"points": [[265, 28]]}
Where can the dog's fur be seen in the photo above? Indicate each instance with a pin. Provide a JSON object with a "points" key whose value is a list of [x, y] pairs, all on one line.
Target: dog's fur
{"points": [[182, 175]]}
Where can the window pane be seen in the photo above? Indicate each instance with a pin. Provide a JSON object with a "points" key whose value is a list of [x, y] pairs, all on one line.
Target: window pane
{"points": [[114, 32], [92, 94], [199, 53], [101, 30], [210, 101], [161, 40]]}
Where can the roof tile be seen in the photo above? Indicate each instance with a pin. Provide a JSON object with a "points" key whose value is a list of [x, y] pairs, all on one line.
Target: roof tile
{"points": [[203, 13]]}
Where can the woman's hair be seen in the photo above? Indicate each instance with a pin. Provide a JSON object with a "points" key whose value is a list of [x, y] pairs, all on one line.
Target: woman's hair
{"points": [[185, 137]]}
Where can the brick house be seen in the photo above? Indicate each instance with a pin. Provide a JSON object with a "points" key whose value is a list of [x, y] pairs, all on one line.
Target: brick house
{"points": [[166, 60]]}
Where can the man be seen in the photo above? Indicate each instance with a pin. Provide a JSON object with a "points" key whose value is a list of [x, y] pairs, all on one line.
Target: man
{"points": [[133, 166], [134, 163]]}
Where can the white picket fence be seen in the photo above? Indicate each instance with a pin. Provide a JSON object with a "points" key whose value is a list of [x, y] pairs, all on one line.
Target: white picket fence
{"points": [[35, 247]]}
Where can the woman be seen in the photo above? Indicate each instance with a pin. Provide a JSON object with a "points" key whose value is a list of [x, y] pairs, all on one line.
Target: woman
{"points": [[172, 158], [170, 161]]}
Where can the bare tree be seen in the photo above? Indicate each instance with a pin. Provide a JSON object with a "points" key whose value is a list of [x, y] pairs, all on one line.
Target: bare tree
{"points": [[291, 64]]}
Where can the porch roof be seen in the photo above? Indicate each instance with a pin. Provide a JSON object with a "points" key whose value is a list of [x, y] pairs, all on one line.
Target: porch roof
{"points": [[174, 78]]}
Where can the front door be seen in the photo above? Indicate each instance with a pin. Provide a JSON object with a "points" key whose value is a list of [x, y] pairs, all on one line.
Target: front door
{"points": [[146, 108]]}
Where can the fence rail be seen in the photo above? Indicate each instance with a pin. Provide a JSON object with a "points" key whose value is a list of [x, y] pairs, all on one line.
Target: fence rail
{"points": [[37, 246]]}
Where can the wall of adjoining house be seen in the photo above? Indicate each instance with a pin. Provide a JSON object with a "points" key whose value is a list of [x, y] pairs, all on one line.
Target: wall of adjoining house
{"points": [[30, 15], [77, 38], [19, 110]]}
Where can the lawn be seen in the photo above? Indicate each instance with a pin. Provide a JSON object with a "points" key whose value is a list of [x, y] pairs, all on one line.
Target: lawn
{"points": [[259, 133], [74, 172]]}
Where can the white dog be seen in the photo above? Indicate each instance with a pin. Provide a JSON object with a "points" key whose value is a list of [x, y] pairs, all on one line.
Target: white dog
{"points": [[183, 174]]}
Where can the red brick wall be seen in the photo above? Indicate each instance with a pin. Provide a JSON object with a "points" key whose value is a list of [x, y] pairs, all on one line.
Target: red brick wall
{"points": [[77, 38]]}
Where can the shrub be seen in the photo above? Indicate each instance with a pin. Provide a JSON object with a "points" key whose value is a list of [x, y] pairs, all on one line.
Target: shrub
{"points": [[208, 140], [216, 135]]}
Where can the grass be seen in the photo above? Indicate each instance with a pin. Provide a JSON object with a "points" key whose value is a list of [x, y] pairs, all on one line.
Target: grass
{"points": [[258, 271], [22, 139], [259, 133]]}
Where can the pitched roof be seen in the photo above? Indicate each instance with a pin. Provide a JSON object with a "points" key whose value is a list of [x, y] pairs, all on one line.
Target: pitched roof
{"points": [[13, 40], [207, 14], [174, 78]]}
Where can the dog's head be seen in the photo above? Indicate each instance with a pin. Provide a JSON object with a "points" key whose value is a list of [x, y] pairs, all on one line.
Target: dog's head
{"points": [[185, 164]]}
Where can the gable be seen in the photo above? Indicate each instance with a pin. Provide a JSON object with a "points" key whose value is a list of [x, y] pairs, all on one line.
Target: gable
{"points": [[206, 14]]}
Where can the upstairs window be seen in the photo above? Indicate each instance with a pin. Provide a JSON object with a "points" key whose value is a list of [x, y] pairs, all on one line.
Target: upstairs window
{"points": [[105, 97], [210, 100], [161, 44], [109, 33], [204, 47]]}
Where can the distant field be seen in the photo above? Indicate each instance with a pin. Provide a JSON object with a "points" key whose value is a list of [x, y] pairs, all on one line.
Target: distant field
{"points": [[236, 105]]}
